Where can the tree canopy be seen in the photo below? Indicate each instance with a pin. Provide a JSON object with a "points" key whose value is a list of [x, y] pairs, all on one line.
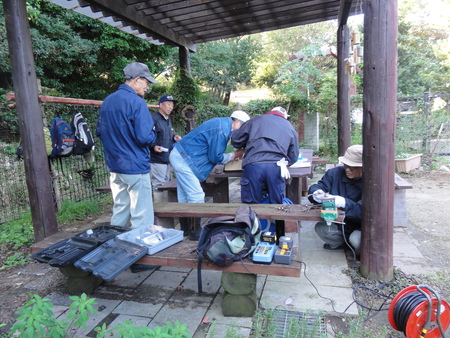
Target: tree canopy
{"points": [[79, 56]]}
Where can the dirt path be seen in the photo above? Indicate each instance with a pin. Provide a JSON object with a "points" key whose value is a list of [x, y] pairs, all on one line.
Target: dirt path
{"points": [[428, 206]]}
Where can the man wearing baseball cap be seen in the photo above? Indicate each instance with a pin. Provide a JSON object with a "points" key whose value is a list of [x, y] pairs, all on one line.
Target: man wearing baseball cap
{"points": [[344, 183], [194, 157], [271, 144], [161, 148], [126, 129]]}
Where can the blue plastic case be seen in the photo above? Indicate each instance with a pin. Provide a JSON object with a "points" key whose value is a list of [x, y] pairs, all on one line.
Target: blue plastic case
{"points": [[111, 258], [264, 252]]}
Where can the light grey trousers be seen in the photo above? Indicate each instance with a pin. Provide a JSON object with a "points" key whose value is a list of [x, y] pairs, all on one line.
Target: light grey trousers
{"points": [[333, 235]]}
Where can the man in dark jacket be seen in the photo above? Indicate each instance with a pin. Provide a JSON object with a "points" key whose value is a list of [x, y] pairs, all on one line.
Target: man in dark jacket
{"points": [[125, 128], [344, 183], [271, 145], [165, 138]]}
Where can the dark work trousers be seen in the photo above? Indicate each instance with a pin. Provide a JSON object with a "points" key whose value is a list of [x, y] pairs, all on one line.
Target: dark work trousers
{"points": [[259, 177]]}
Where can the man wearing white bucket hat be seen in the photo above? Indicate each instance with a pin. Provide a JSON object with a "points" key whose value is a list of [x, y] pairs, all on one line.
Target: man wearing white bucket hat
{"points": [[344, 183]]}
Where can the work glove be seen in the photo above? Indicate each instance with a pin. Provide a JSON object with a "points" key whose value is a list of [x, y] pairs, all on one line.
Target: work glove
{"points": [[339, 201], [318, 195], [284, 170], [228, 157]]}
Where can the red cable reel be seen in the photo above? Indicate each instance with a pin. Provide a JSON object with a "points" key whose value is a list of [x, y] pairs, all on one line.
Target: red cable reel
{"points": [[410, 313]]}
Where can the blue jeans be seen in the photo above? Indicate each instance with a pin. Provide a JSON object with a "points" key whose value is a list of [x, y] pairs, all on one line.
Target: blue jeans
{"points": [[189, 189], [132, 196]]}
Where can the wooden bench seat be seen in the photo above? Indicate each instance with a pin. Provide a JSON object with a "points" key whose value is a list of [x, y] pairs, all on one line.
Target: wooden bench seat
{"points": [[181, 255], [290, 212]]}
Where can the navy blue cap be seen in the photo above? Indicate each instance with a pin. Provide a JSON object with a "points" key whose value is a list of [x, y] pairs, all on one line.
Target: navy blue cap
{"points": [[167, 98]]}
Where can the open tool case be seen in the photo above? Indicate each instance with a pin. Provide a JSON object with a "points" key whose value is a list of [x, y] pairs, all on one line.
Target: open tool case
{"points": [[68, 251], [111, 258]]}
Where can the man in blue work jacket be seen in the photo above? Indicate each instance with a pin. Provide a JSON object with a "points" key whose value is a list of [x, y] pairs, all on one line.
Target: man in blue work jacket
{"points": [[126, 129]]}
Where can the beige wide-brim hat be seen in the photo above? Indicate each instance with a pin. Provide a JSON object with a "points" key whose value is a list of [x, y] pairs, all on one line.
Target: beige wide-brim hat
{"points": [[353, 156]]}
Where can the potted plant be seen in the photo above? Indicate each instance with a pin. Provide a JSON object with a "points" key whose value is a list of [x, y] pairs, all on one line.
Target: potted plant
{"points": [[405, 162]]}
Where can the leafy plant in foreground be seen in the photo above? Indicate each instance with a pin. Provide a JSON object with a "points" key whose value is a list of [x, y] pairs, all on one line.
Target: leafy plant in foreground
{"points": [[38, 320]]}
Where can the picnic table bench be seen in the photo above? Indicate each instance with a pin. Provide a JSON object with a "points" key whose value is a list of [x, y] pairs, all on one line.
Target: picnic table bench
{"points": [[182, 254]]}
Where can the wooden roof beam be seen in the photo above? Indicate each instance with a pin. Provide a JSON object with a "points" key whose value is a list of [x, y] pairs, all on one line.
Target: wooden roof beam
{"points": [[138, 19], [344, 11]]}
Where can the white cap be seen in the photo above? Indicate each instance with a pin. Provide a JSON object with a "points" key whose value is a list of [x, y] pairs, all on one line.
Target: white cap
{"points": [[282, 111], [240, 115]]}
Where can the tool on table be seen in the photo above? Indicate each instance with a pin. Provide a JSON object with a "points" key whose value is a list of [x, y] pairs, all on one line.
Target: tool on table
{"points": [[265, 249], [284, 253], [328, 211]]}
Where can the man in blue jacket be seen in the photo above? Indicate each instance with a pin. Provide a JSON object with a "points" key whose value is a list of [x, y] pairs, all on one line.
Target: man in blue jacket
{"points": [[126, 129], [344, 183], [194, 157]]}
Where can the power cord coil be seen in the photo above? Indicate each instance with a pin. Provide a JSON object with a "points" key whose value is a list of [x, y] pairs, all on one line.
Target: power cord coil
{"points": [[415, 313]]}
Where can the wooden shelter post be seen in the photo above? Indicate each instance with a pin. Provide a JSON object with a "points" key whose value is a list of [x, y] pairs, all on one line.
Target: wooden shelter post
{"points": [[184, 59], [343, 89], [379, 109], [30, 119]]}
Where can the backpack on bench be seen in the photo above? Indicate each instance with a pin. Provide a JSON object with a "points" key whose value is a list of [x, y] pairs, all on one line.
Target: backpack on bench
{"points": [[225, 240]]}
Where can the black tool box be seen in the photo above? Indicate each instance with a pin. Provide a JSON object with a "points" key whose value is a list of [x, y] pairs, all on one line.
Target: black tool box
{"points": [[68, 251]]}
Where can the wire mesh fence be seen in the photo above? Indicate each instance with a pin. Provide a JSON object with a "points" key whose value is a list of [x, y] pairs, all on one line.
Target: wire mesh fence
{"points": [[74, 178]]}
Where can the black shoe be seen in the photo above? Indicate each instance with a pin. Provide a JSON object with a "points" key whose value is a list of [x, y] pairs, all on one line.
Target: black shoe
{"points": [[327, 246], [185, 225], [194, 235], [142, 267]]}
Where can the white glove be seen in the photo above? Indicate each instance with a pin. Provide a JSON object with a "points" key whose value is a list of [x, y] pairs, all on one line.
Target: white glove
{"points": [[284, 170], [339, 201], [227, 157], [318, 195]]}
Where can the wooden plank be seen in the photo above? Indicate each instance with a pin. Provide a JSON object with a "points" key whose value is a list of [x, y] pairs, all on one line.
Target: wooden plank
{"points": [[171, 185], [295, 212], [401, 183], [182, 255], [318, 160], [67, 100], [53, 239]]}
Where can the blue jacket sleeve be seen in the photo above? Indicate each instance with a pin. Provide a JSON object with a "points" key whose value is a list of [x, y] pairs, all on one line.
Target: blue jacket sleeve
{"points": [[335, 183], [144, 127], [239, 137], [293, 152], [353, 209]]}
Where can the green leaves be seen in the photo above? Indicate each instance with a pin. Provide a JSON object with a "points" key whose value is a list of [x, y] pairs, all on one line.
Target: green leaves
{"points": [[223, 65], [38, 320]]}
